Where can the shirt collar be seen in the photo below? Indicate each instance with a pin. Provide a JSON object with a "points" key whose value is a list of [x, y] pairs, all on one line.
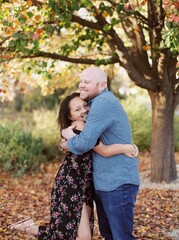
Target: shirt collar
{"points": [[91, 100]]}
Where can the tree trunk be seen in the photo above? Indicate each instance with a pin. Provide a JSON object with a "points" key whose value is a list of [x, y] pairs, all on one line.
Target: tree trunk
{"points": [[163, 166], [110, 75]]}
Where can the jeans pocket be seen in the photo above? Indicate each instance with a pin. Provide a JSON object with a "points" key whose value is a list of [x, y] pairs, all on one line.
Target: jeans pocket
{"points": [[118, 200], [134, 192]]}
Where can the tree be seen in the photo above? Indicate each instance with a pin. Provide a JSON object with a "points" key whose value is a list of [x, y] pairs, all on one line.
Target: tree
{"points": [[140, 35]]}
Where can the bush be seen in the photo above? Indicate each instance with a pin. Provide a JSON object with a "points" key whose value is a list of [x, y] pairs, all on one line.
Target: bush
{"points": [[20, 152], [141, 122], [140, 118], [176, 132], [40, 125], [45, 127]]}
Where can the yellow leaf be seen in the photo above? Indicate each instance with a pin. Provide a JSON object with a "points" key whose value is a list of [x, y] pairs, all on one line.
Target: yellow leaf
{"points": [[37, 17], [29, 3], [136, 29], [105, 14], [146, 47], [16, 22], [5, 82]]}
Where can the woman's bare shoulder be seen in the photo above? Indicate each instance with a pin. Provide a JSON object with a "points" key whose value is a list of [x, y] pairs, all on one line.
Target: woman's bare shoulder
{"points": [[79, 124]]}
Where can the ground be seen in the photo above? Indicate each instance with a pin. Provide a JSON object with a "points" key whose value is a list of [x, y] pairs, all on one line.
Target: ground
{"points": [[156, 213]]}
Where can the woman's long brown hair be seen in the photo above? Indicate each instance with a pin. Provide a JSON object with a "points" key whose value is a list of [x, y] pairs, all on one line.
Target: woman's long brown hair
{"points": [[63, 120]]}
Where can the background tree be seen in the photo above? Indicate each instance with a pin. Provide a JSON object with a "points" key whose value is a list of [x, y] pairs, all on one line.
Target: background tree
{"points": [[140, 35]]}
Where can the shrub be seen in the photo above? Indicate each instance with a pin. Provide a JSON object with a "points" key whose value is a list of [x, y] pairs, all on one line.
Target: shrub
{"points": [[141, 123], [176, 132], [20, 152], [45, 127], [140, 117]]}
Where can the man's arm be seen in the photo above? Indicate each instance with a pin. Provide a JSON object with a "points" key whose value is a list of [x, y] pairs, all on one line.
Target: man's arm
{"points": [[97, 122], [130, 150]]}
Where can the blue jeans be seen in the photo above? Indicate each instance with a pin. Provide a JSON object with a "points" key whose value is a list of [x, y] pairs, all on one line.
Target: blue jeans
{"points": [[115, 211]]}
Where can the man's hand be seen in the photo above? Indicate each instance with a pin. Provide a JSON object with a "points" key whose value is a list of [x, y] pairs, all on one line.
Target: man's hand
{"points": [[68, 132]]}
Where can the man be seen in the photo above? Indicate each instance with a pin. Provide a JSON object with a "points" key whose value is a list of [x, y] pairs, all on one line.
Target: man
{"points": [[116, 178]]}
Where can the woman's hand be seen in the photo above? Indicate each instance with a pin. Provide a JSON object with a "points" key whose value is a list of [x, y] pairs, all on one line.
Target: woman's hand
{"points": [[63, 145], [68, 132]]}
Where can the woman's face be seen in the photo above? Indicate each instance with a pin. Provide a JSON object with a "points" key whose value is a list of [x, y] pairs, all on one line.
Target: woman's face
{"points": [[78, 109]]}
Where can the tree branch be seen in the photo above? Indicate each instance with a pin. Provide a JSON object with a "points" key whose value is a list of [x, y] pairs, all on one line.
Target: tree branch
{"points": [[125, 59], [34, 2], [152, 9], [81, 21], [137, 53], [55, 56], [112, 3], [1, 43], [138, 15], [162, 13], [37, 3], [86, 23]]}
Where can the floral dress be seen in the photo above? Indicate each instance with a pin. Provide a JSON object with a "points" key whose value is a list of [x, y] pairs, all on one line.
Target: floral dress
{"points": [[73, 186]]}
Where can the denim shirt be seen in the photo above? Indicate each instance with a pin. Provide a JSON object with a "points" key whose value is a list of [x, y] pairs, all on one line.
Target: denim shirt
{"points": [[108, 121]]}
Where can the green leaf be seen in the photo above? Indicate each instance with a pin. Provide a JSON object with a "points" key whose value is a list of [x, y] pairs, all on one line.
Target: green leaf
{"points": [[106, 27], [26, 51], [105, 8], [16, 35], [30, 14], [114, 21], [22, 19], [49, 29], [6, 23], [12, 44], [120, 7]]}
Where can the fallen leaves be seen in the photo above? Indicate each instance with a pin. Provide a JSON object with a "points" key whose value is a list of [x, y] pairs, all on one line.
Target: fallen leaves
{"points": [[156, 213]]}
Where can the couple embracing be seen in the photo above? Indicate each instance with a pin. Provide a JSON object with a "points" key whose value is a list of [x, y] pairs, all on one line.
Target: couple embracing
{"points": [[93, 119]]}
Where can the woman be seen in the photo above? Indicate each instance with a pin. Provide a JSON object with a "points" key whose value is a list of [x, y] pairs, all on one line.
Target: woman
{"points": [[71, 215]]}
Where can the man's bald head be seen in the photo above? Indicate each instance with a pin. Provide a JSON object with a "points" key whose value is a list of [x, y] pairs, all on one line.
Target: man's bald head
{"points": [[94, 74], [93, 81]]}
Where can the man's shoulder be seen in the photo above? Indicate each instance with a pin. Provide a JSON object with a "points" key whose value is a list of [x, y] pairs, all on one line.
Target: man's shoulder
{"points": [[106, 96], [105, 102]]}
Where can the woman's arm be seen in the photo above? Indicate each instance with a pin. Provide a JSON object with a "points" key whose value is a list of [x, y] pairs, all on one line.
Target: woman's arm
{"points": [[130, 150]]}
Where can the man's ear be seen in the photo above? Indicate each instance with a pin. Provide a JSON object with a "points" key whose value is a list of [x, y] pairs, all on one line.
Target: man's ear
{"points": [[103, 85]]}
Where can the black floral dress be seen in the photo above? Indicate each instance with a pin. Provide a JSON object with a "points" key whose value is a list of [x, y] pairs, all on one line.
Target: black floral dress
{"points": [[73, 186]]}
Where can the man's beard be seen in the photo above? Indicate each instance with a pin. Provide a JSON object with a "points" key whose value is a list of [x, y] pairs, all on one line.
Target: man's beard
{"points": [[84, 96]]}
